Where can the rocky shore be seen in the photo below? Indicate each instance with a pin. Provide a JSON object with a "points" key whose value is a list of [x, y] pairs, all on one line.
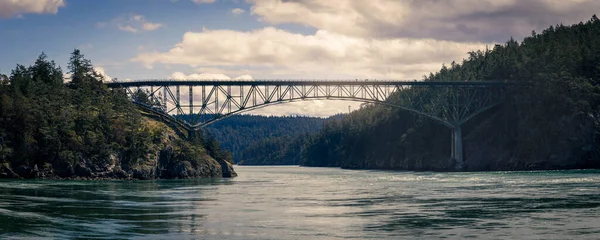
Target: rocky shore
{"points": [[169, 157]]}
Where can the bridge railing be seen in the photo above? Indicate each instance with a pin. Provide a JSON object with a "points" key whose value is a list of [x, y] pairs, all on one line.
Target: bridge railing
{"points": [[306, 82], [269, 80]]}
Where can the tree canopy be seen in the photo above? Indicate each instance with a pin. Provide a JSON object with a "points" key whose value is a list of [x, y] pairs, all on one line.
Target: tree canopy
{"points": [[45, 123]]}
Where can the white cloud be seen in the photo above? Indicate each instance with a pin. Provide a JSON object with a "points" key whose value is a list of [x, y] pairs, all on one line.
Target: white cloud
{"points": [[98, 69], [85, 46], [133, 23], [102, 71], [207, 76], [127, 28], [11, 8], [199, 76], [315, 108], [321, 55], [203, 1], [66, 77], [463, 20], [148, 26], [244, 77], [237, 11], [228, 71]]}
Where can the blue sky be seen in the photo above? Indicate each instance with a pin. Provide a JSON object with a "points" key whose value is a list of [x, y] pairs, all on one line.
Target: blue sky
{"points": [[87, 25], [271, 39]]}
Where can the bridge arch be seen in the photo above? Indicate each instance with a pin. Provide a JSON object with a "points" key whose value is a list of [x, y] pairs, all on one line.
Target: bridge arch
{"points": [[348, 99]]}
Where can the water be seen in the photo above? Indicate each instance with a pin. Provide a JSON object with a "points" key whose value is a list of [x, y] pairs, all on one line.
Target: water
{"points": [[309, 203]]}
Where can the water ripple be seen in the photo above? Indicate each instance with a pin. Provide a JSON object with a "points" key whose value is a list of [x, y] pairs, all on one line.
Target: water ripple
{"points": [[309, 203]]}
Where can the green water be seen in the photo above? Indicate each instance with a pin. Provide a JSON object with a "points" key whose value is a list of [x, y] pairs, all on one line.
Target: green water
{"points": [[309, 203]]}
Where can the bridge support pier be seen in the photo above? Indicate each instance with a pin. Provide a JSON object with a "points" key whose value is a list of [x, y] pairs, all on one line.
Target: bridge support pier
{"points": [[457, 148]]}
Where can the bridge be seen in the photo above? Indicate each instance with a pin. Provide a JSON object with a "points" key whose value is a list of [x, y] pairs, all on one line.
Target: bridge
{"points": [[198, 103]]}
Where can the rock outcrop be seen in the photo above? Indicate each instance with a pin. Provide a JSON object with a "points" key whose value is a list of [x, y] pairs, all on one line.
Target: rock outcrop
{"points": [[168, 157]]}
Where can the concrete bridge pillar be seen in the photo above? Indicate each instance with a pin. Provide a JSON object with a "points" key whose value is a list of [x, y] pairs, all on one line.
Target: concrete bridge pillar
{"points": [[457, 148]]}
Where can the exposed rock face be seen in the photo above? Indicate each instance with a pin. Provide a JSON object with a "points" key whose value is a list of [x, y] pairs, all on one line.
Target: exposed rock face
{"points": [[7, 172], [227, 169], [162, 168]]}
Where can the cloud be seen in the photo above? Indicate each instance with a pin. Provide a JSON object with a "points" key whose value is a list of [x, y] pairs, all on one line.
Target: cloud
{"points": [[201, 76], [244, 77], [127, 28], [315, 108], [102, 71], [203, 1], [11, 8], [457, 20], [207, 76], [237, 11], [148, 26], [66, 77], [85, 46], [321, 55], [132, 23], [98, 69], [228, 71]]}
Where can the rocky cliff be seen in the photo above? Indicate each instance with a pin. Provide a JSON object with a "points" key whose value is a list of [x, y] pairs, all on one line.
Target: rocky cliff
{"points": [[85, 130], [167, 156]]}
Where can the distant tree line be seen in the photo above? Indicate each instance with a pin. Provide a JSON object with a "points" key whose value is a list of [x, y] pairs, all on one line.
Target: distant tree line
{"points": [[252, 139]]}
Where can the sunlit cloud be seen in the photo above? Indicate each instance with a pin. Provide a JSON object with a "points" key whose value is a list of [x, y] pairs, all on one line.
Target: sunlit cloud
{"points": [[12, 8], [85, 46], [457, 20], [132, 23], [102, 71], [237, 11], [203, 1], [318, 53]]}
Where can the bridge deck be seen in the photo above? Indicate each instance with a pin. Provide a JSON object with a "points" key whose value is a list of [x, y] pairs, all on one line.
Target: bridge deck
{"points": [[148, 83]]}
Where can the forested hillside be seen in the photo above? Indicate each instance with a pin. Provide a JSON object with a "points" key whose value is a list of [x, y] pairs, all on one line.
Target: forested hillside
{"points": [[49, 129], [254, 139], [551, 120]]}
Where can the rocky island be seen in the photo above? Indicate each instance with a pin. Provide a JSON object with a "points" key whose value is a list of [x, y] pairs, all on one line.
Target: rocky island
{"points": [[80, 129]]}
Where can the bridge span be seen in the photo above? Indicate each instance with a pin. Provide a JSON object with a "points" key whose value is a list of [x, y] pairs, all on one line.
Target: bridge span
{"points": [[195, 104]]}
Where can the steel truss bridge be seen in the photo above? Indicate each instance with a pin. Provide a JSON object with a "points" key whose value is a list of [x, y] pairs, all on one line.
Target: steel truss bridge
{"points": [[196, 104]]}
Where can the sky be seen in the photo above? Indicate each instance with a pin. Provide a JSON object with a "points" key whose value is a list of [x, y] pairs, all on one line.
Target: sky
{"points": [[271, 39]]}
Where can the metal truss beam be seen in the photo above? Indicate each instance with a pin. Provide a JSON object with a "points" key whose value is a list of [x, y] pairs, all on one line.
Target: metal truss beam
{"points": [[449, 103]]}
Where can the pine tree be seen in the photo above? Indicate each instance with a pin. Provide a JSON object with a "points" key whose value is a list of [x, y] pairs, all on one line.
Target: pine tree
{"points": [[81, 70]]}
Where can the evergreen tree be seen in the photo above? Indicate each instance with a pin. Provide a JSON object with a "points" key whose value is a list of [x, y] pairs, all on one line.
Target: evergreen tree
{"points": [[76, 129]]}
